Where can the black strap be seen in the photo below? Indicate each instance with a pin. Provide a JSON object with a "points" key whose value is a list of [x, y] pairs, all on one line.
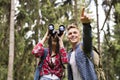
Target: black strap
{"points": [[42, 59]]}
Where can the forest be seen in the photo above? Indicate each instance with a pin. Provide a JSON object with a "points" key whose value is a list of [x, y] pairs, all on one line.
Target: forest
{"points": [[24, 22]]}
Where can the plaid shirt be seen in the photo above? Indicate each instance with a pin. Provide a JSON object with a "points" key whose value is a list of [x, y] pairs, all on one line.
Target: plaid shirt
{"points": [[38, 51]]}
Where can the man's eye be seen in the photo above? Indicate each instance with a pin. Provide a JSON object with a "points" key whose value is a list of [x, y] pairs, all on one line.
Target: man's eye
{"points": [[69, 33], [75, 32]]}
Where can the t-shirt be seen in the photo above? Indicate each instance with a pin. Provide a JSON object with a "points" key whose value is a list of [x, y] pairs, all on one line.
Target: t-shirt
{"points": [[76, 73]]}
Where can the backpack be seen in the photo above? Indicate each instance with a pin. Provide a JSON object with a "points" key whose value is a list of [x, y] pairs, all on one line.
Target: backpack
{"points": [[96, 60], [37, 71], [98, 64]]}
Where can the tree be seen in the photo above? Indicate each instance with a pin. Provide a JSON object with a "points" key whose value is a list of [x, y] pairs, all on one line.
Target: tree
{"points": [[33, 16], [11, 46], [4, 37], [111, 47]]}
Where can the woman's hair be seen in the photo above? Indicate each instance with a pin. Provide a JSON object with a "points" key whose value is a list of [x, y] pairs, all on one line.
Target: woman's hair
{"points": [[50, 44], [57, 48]]}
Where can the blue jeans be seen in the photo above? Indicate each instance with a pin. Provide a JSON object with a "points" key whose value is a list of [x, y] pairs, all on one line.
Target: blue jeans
{"points": [[44, 78]]}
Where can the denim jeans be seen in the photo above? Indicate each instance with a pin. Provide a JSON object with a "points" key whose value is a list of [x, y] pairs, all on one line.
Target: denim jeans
{"points": [[45, 78]]}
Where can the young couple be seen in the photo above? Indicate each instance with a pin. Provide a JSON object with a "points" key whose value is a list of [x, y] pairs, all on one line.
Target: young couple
{"points": [[79, 66]]}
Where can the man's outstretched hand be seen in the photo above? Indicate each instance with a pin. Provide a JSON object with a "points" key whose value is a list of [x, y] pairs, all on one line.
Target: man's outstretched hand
{"points": [[84, 18]]}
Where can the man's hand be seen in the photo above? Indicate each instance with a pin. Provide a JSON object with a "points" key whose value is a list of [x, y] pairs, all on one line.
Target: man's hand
{"points": [[84, 18]]}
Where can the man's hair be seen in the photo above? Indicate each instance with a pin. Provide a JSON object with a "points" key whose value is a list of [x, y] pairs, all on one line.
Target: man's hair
{"points": [[72, 26]]}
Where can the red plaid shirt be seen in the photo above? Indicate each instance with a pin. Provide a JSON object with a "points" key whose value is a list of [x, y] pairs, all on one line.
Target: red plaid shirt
{"points": [[38, 51]]}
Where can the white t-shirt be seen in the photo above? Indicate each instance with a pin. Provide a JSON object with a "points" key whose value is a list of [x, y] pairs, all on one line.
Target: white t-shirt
{"points": [[76, 74], [53, 77]]}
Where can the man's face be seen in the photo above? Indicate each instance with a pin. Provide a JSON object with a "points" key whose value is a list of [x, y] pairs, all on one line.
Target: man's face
{"points": [[73, 35]]}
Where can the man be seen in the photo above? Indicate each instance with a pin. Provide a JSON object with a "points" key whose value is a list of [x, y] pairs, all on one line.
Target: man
{"points": [[80, 67]]}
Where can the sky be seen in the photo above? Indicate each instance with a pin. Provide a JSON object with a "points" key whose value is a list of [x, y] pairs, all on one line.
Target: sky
{"points": [[101, 17], [100, 11]]}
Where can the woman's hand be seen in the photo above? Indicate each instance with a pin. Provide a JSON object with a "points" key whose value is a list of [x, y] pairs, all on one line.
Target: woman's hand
{"points": [[61, 40], [45, 37]]}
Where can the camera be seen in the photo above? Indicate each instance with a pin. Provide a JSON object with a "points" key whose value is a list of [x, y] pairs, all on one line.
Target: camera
{"points": [[53, 32]]}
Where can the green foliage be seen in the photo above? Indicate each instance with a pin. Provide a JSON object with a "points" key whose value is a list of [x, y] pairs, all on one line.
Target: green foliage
{"points": [[3, 71], [117, 7], [111, 49], [4, 37], [27, 19], [34, 16]]}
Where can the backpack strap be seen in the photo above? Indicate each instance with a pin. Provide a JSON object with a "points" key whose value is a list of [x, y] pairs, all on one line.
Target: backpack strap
{"points": [[91, 55], [42, 58], [38, 69]]}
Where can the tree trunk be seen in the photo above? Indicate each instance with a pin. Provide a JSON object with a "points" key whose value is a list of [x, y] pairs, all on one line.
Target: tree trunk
{"points": [[11, 43], [98, 31], [75, 12]]}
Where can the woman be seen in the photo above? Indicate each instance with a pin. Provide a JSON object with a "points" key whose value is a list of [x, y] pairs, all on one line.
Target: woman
{"points": [[52, 68]]}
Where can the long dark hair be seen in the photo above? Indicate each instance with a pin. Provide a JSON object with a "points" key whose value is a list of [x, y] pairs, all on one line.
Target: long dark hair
{"points": [[57, 51], [50, 44]]}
